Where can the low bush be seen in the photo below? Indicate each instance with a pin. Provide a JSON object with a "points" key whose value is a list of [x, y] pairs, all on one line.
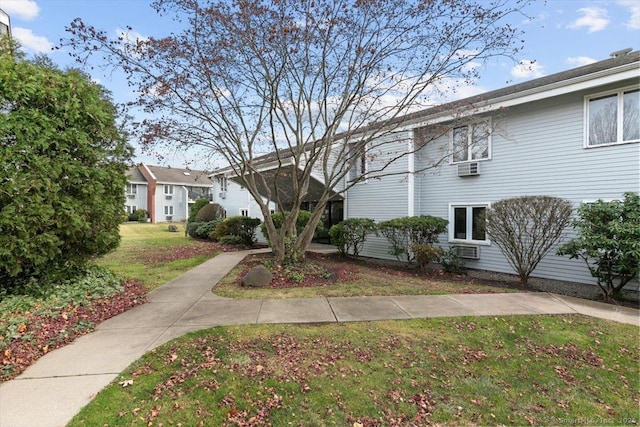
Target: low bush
{"points": [[415, 230], [426, 254], [451, 262], [231, 240], [349, 235], [206, 228], [139, 215], [192, 227], [242, 227]]}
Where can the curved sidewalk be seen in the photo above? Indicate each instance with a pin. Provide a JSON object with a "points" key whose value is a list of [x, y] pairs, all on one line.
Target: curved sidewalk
{"points": [[57, 386]]}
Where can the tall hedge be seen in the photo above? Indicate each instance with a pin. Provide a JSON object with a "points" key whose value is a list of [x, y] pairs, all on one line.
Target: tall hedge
{"points": [[62, 169]]}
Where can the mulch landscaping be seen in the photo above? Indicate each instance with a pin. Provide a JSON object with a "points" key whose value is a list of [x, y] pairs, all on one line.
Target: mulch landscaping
{"points": [[41, 334]]}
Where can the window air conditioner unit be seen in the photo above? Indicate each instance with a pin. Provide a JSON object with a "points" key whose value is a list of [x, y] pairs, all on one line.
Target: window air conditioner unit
{"points": [[468, 252], [223, 194], [131, 196], [469, 169], [168, 197], [168, 218]]}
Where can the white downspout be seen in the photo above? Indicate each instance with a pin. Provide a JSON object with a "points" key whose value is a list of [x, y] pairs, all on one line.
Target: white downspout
{"points": [[411, 179]]}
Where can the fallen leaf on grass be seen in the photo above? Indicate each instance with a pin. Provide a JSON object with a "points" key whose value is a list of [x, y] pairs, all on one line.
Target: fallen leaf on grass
{"points": [[126, 383]]}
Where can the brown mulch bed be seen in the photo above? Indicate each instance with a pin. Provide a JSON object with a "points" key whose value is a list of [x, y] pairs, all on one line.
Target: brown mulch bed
{"points": [[317, 270], [49, 333]]}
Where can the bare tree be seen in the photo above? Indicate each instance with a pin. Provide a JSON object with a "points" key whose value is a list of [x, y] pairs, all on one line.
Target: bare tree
{"points": [[526, 229], [318, 84]]}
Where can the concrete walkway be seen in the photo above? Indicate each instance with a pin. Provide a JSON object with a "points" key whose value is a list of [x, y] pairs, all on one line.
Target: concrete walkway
{"points": [[58, 385]]}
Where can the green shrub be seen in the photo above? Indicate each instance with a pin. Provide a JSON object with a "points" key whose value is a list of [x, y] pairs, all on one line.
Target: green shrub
{"points": [[192, 227], [426, 254], [241, 226], [195, 208], [139, 215], [451, 262], [349, 235], [62, 169], [205, 229], [417, 230], [231, 240], [608, 241], [209, 212]]}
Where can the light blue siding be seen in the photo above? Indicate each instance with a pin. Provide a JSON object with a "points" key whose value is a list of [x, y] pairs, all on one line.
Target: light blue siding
{"points": [[536, 149]]}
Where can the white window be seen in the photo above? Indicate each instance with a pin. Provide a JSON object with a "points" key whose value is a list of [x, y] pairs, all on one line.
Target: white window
{"points": [[223, 183], [471, 142], [168, 189], [358, 155], [130, 209], [168, 210], [132, 188], [612, 118], [466, 223], [244, 212]]}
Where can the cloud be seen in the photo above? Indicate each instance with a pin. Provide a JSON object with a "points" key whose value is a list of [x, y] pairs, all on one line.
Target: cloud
{"points": [[593, 18], [30, 41], [21, 9], [526, 69], [634, 13], [580, 60]]}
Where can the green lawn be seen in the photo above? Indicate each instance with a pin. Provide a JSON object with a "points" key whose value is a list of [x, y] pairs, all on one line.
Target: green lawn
{"points": [[153, 254], [518, 370]]}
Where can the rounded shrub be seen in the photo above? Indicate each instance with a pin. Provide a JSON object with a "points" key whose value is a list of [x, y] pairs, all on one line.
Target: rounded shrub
{"points": [[209, 212], [240, 226], [349, 235], [197, 205]]}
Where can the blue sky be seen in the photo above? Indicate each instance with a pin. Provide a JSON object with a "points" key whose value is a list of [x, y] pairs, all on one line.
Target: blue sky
{"points": [[560, 34]]}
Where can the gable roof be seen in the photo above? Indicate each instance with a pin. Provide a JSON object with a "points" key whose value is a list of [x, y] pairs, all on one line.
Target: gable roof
{"points": [[134, 175], [190, 177]]}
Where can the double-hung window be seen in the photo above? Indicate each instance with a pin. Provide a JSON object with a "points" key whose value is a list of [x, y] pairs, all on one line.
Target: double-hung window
{"points": [[168, 189], [168, 210], [358, 156], [471, 142], [132, 188], [612, 118], [223, 183], [467, 223]]}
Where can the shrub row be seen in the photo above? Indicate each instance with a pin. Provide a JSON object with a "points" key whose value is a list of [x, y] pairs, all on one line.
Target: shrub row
{"points": [[233, 230], [411, 239]]}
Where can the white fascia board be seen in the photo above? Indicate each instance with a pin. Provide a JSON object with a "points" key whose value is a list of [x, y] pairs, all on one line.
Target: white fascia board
{"points": [[150, 173], [628, 71]]}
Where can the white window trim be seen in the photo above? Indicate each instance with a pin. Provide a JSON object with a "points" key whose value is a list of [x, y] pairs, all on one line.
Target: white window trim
{"points": [[131, 187], [489, 122], [168, 189], [620, 100], [224, 184], [168, 209], [242, 211], [362, 177], [450, 230]]}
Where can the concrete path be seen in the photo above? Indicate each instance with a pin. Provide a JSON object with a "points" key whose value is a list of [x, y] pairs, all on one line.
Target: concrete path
{"points": [[58, 385]]}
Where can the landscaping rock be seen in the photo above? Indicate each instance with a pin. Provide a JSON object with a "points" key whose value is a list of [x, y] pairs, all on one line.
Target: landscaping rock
{"points": [[258, 277], [173, 228]]}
